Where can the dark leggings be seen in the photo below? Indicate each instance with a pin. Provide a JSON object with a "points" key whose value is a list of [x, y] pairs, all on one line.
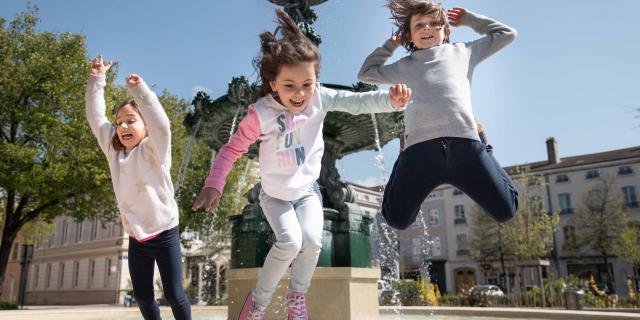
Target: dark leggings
{"points": [[164, 250], [464, 163]]}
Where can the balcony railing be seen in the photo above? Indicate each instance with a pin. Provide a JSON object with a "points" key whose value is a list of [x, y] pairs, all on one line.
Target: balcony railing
{"points": [[632, 204], [566, 211]]}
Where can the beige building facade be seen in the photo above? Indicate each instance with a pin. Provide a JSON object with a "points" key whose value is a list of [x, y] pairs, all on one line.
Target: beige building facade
{"points": [[446, 214], [80, 263]]}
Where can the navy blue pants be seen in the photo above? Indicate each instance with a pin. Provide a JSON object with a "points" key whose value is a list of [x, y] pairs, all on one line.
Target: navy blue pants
{"points": [[164, 250], [464, 163]]}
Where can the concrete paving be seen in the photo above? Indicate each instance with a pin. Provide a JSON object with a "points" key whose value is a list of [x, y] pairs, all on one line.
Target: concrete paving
{"points": [[517, 313], [113, 312]]}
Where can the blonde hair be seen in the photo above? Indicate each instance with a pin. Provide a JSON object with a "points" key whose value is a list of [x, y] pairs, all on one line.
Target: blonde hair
{"points": [[403, 10], [115, 140], [291, 48]]}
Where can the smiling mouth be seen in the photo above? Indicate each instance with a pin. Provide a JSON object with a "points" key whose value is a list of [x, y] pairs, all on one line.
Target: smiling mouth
{"points": [[126, 136], [426, 37], [296, 104]]}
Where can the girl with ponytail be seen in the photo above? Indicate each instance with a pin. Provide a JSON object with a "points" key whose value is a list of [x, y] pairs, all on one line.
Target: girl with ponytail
{"points": [[288, 120]]}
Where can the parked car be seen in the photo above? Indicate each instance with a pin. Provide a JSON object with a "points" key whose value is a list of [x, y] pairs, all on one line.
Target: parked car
{"points": [[129, 299], [487, 289]]}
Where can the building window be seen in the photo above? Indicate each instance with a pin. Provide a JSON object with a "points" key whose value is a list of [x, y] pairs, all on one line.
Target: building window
{"points": [[16, 249], [61, 278], [562, 178], [47, 276], [92, 273], [625, 170], [416, 245], [592, 174], [36, 276], [107, 273], [569, 237], [94, 228], [630, 199], [463, 244], [457, 192], [434, 217], [565, 203], [460, 218], [76, 273], [65, 231], [436, 247], [79, 226]]}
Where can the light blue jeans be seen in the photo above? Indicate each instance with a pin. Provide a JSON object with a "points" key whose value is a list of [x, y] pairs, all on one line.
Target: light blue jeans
{"points": [[297, 226]]}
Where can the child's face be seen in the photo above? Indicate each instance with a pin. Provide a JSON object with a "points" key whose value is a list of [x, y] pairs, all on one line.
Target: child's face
{"points": [[426, 31], [295, 85], [130, 127]]}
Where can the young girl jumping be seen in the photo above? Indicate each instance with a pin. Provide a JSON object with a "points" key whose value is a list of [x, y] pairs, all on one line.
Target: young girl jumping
{"points": [[138, 148], [442, 144], [288, 121]]}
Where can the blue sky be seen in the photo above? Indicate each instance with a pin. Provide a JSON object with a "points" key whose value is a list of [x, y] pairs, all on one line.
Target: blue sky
{"points": [[571, 74]]}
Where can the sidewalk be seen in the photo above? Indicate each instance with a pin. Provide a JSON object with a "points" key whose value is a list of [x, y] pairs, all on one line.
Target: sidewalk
{"points": [[104, 312]]}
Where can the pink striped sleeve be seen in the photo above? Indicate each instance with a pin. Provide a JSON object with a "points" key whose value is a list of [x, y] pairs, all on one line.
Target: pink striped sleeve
{"points": [[248, 132]]}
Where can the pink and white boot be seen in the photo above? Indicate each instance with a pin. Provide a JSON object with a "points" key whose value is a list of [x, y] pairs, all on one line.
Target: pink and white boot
{"points": [[297, 306], [250, 310]]}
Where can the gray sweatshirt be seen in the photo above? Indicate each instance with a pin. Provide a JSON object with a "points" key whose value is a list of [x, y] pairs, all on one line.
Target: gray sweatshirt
{"points": [[440, 78]]}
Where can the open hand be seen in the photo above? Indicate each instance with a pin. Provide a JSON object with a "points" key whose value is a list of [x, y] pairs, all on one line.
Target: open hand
{"points": [[98, 68], [133, 80], [400, 95], [207, 199], [456, 15], [395, 37]]}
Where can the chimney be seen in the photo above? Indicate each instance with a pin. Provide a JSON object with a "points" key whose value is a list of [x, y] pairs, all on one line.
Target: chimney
{"points": [[553, 155]]}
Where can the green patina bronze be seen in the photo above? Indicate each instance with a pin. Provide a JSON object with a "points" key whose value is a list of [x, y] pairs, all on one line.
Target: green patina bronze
{"points": [[346, 235]]}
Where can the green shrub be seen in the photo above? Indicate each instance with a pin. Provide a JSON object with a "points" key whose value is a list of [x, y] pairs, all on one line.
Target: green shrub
{"points": [[4, 305], [408, 292]]}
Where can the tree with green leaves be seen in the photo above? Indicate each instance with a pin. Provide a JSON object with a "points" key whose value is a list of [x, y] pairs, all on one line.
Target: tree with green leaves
{"points": [[628, 248], [528, 236], [599, 221], [488, 241], [49, 159], [531, 231]]}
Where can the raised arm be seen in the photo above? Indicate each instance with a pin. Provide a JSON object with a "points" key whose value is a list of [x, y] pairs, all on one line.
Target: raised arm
{"points": [[374, 70], [159, 129], [95, 106], [496, 35]]}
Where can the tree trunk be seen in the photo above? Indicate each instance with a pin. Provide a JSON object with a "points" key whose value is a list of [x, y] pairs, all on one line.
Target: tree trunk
{"points": [[8, 236], [503, 274], [611, 278]]}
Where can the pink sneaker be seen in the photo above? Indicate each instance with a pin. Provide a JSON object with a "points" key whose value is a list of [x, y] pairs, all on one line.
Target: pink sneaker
{"points": [[297, 306], [250, 310]]}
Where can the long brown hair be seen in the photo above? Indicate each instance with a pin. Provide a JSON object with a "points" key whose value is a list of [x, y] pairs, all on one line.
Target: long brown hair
{"points": [[291, 48], [403, 10], [115, 140]]}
